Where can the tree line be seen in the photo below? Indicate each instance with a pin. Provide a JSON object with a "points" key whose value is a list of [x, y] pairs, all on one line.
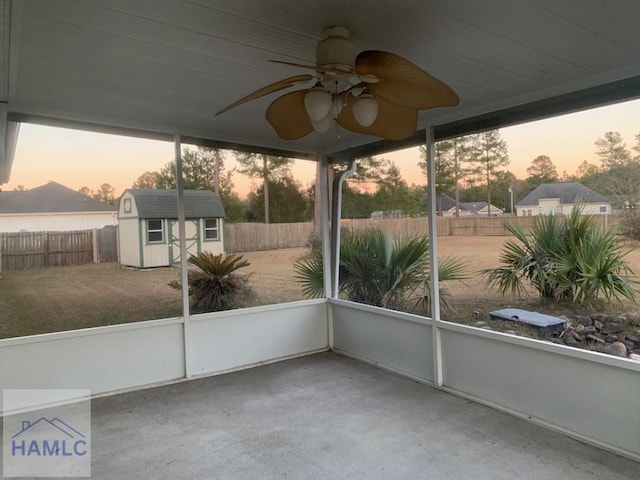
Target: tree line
{"points": [[468, 169]]}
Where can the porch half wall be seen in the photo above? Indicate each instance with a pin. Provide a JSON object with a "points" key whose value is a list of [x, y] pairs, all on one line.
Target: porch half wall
{"points": [[587, 395], [129, 356]]}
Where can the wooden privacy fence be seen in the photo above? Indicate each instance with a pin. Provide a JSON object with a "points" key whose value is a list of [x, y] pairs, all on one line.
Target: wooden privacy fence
{"points": [[20, 251], [26, 250], [249, 237]]}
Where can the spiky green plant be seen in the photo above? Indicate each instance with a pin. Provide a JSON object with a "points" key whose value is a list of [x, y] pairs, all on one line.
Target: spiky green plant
{"points": [[215, 284], [376, 270], [564, 258]]}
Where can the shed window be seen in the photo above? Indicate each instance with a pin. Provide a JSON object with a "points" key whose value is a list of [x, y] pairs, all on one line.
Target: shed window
{"points": [[211, 229], [155, 232], [603, 209]]}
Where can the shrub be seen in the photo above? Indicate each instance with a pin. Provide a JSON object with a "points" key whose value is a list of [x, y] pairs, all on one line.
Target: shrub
{"points": [[376, 270], [564, 258], [214, 283]]}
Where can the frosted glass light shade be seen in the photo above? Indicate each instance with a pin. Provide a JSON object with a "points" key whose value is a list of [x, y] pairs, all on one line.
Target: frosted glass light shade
{"points": [[317, 103], [365, 110], [323, 125]]}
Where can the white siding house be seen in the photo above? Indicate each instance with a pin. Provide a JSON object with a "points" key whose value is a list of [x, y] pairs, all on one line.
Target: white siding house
{"points": [[148, 226], [54, 208], [560, 198]]}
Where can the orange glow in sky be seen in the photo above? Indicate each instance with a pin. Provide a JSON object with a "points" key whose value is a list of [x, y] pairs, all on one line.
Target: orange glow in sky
{"points": [[76, 159]]}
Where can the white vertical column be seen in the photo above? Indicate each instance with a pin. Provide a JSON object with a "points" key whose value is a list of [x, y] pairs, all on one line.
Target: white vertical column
{"points": [[184, 267], [433, 258], [325, 237], [336, 216]]}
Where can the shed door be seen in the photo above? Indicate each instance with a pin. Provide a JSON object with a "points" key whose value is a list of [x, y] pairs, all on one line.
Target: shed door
{"points": [[193, 241]]}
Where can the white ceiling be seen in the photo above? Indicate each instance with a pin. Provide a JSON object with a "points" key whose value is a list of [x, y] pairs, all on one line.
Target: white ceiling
{"points": [[166, 66]]}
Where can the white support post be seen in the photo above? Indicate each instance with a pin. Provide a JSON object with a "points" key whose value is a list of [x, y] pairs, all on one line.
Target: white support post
{"points": [[325, 237], [184, 267], [433, 259], [336, 216]]}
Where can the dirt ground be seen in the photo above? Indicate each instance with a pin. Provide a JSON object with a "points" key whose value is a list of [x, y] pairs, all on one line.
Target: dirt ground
{"points": [[62, 298]]}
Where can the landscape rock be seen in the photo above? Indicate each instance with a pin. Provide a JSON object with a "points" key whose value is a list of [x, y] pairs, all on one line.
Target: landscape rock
{"points": [[481, 323], [584, 320], [610, 328], [635, 357], [598, 324], [617, 348], [611, 338], [629, 345], [588, 330], [632, 338], [510, 332], [571, 341], [579, 327], [595, 338], [601, 317]]}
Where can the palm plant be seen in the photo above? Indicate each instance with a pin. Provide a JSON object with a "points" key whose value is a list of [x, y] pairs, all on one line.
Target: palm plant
{"points": [[376, 270], [564, 258], [214, 283]]}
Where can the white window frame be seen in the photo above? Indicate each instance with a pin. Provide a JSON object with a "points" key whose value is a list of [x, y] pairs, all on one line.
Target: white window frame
{"points": [[155, 230], [215, 229]]}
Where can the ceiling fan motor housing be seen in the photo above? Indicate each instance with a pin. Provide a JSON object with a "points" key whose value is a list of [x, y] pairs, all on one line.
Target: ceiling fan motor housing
{"points": [[336, 51]]}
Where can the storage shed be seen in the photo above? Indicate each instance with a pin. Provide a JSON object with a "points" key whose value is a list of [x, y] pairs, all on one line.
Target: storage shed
{"points": [[148, 226]]}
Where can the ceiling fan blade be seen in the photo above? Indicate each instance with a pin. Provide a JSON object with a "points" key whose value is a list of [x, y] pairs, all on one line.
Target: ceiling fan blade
{"points": [[402, 82], [332, 71], [274, 87], [394, 121], [288, 116], [293, 64]]}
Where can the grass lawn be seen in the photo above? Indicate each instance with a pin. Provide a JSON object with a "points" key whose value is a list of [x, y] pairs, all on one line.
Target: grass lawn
{"points": [[66, 298]]}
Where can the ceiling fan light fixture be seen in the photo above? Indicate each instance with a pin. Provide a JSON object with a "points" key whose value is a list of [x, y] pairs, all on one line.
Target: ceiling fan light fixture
{"points": [[336, 51], [323, 125], [317, 103], [365, 110]]}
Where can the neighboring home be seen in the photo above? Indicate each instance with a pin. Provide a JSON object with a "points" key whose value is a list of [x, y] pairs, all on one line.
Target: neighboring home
{"points": [[446, 207], [148, 226], [560, 198], [52, 207]]}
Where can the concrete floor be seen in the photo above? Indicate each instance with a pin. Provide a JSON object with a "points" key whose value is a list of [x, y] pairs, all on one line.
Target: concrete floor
{"points": [[330, 417]]}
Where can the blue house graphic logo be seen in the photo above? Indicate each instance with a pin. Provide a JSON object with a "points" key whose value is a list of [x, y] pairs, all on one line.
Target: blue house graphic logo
{"points": [[48, 438]]}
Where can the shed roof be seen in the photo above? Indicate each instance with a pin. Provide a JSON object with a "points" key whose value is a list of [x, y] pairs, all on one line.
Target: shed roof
{"points": [[164, 203], [567, 192], [50, 198]]}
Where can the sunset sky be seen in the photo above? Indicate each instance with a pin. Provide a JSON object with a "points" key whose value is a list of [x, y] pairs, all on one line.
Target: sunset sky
{"points": [[76, 159]]}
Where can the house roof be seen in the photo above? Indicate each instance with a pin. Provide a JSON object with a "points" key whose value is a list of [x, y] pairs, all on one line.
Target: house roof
{"points": [[567, 192], [445, 203], [50, 198], [156, 68], [164, 203]]}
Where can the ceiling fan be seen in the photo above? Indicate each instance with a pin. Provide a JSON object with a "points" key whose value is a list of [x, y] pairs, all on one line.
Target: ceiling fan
{"points": [[374, 92]]}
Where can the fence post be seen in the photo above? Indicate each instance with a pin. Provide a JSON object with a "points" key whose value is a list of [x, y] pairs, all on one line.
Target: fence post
{"points": [[45, 247], [96, 254]]}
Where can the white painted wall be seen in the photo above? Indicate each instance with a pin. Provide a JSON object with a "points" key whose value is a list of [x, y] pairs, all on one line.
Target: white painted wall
{"points": [[230, 340], [129, 242], [394, 340], [102, 359], [56, 222], [214, 246], [589, 395], [554, 206]]}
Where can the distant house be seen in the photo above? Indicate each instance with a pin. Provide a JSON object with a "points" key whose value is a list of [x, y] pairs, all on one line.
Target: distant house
{"points": [[52, 207], [560, 198], [148, 226], [446, 207]]}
